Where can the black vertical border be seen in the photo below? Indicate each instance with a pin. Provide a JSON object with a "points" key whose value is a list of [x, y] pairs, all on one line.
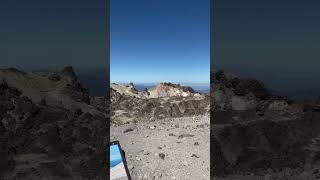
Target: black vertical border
{"points": [[211, 87], [107, 97]]}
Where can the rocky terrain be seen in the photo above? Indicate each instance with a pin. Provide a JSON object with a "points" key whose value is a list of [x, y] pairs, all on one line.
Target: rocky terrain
{"points": [[158, 91], [167, 100], [58, 89], [258, 135], [164, 131], [173, 148], [50, 128]]}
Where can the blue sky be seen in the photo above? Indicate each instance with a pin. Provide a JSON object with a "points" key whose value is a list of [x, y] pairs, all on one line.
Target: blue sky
{"points": [[156, 41]]}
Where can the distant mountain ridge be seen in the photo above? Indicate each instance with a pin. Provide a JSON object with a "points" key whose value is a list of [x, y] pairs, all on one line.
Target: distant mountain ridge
{"points": [[296, 83], [164, 89], [164, 100], [198, 87]]}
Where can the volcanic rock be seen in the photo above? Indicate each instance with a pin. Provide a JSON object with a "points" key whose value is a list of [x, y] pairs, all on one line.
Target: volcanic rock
{"points": [[57, 89], [46, 142], [128, 105], [254, 131]]}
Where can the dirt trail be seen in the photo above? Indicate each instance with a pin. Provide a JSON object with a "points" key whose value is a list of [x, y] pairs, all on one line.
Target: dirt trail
{"points": [[173, 148]]}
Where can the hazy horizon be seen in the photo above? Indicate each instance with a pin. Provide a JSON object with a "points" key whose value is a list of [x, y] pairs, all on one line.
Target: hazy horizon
{"points": [[175, 82]]}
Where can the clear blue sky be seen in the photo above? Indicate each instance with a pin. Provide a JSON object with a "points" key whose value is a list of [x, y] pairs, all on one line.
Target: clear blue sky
{"points": [[155, 41]]}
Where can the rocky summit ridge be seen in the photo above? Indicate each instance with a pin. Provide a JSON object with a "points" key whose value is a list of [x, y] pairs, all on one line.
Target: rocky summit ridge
{"points": [[260, 134], [164, 100], [58, 89], [164, 89], [50, 128]]}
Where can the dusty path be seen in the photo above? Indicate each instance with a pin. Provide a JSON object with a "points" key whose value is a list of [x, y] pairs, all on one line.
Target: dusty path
{"points": [[167, 149]]}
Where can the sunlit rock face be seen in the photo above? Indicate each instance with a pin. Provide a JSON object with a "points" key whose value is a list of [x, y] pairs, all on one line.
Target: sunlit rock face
{"points": [[162, 101]]}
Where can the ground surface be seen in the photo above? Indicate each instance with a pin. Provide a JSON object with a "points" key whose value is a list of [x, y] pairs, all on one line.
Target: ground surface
{"points": [[172, 148], [306, 173]]}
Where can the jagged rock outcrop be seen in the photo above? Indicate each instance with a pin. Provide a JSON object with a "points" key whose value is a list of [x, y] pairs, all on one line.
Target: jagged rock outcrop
{"points": [[163, 101], [125, 89], [39, 141], [230, 92], [160, 90], [171, 90], [58, 89], [255, 132]]}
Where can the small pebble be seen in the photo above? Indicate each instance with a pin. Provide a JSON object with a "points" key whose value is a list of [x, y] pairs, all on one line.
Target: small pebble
{"points": [[194, 155], [127, 130], [162, 156]]}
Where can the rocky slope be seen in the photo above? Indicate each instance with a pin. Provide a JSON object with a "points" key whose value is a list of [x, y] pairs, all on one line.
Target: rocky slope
{"points": [[58, 89], [171, 90], [162, 101], [158, 91], [48, 129], [257, 134], [163, 130]]}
